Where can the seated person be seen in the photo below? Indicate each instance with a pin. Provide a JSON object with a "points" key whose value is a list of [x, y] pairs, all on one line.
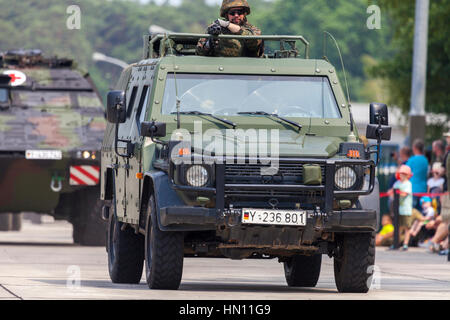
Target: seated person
{"points": [[386, 235], [420, 220]]}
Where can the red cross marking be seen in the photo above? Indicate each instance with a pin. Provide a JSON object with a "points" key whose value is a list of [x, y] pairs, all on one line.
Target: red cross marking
{"points": [[13, 77]]}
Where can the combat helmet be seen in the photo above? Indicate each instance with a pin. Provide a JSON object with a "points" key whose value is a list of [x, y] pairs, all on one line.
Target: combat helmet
{"points": [[228, 4]]}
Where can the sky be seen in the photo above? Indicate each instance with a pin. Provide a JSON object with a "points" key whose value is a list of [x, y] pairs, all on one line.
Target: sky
{"points": [[177, 2]]}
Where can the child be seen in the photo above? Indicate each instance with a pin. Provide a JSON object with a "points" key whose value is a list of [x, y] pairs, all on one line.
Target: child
{"points": [[404, 187], [386, 234], [420, 220], [435, 184]]}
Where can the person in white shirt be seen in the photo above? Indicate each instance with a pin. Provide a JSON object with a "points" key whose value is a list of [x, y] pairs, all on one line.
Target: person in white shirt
{"points": [[435, 184]]}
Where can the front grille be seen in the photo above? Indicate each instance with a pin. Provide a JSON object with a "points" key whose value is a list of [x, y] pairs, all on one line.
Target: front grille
{"points": [[288, 174]]}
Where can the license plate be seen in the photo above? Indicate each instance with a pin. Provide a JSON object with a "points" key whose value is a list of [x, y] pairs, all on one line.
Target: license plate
{"points": [[43, 154], [274, 217]]}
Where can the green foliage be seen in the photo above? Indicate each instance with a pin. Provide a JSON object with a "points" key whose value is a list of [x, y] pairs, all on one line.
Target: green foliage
{"points": [[397, 69], [115, 28]]}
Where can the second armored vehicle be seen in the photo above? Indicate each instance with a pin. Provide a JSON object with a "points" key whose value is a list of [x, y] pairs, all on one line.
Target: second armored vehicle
{"points": [[51, 128]]}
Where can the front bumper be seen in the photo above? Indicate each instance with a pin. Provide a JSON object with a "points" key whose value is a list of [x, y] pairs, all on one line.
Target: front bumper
{"points": [[198, 218]]}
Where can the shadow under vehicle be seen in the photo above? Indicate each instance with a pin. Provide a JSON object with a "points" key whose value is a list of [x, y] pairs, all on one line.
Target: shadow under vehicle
{"points": [[51, 128], [239, 158]]}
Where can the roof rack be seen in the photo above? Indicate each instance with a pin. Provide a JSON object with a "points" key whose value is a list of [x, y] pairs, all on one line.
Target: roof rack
{"points": [[162, 44], [32, 57]]}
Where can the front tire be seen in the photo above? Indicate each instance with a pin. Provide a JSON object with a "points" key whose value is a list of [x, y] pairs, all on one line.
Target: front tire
{"points": [[303, 271], [164, 253], [354, 257], [125, 253]]}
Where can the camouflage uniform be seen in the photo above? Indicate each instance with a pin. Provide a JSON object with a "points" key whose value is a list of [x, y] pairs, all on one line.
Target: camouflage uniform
{"points": [[233, 47]]}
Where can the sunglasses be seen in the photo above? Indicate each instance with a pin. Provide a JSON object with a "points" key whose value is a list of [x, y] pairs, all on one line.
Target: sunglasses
{"points": [[234, 12]]}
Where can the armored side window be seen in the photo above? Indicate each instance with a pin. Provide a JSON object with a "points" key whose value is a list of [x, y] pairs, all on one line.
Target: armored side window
{"points": [[142, 102], [131, 102]]}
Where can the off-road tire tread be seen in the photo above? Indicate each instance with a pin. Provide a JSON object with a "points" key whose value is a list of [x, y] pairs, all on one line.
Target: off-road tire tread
{"points": [[129, 260], [89, 229], [5, 221], [16, 224], [358, 256], [304, 271], [167, 260]]}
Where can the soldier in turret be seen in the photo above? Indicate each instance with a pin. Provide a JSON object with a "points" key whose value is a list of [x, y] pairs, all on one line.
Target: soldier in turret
{"points": [[235, 13]]}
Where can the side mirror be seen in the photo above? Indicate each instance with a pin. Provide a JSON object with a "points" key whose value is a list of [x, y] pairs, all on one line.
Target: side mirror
{"points": [[153, 129], [379, 123], [115, 107], [379, 114]]}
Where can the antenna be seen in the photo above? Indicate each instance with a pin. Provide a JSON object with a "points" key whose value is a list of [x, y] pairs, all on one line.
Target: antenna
{"points": [[345, 78], [176, 86]]}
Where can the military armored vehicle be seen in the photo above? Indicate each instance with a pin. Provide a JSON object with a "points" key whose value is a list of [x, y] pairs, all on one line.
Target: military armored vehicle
{"points": [[240, 158], [51, 127]]}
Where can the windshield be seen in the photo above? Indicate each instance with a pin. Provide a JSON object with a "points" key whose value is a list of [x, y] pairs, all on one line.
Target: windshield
{"points": [[3, 95], [288, 96]]}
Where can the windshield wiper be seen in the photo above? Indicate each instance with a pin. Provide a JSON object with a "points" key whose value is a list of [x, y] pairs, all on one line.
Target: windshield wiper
{"points": [[263, 113], [198, 113]]}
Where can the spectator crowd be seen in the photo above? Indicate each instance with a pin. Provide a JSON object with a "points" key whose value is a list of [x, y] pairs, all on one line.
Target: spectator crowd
{"points": [[421, 183]]}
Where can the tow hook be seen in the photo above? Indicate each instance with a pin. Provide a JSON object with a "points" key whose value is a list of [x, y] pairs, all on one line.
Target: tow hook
{"points": [[56, 183]]}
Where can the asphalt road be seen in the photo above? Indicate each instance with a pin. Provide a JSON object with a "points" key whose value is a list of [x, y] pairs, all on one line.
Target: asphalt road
{"points": [[41, 262]]}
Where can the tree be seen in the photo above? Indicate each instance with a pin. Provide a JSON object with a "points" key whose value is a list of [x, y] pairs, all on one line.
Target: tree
{"points": [[397, 70]]}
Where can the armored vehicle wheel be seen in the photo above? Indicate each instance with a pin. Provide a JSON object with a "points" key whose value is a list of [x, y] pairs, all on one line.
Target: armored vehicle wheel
{"points": [[163, 254], [5, 221], [303, 271], [16, 222], [125, 253], [355, 254], [88, 227]]}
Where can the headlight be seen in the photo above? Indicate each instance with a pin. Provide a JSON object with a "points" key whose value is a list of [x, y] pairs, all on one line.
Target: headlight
{"points": [[345, 178], [197, 176]]}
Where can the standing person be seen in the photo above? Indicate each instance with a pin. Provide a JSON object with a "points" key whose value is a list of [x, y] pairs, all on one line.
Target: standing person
{"points": [[438, 149], [235, 13], [444, 162], [419, 167], [436, 183], [404, 186], [404, 154]]}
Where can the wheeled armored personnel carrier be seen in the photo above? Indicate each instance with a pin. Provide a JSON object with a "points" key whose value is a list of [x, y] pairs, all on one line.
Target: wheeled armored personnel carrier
{"points": [[240, 158], [51, 127]]}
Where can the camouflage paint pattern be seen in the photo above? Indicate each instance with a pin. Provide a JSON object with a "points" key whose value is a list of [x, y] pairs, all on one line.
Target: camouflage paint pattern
{"points": [[57, 108], [228, 4]]}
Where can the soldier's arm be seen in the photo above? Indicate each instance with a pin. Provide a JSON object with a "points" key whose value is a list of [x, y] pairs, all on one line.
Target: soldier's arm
{"points": [[254, 47], [201, 49]]}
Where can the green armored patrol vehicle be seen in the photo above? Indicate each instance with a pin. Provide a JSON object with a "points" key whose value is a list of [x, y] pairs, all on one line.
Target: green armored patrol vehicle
{"points": [[51, 127], [240, 158]]}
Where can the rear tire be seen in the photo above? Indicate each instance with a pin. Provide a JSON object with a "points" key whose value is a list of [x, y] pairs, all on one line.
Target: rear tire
{"points": [[5, 221], [303, 271], [125, 253], [164, 253], [89, 229], [16, 222], [354, 257]]}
